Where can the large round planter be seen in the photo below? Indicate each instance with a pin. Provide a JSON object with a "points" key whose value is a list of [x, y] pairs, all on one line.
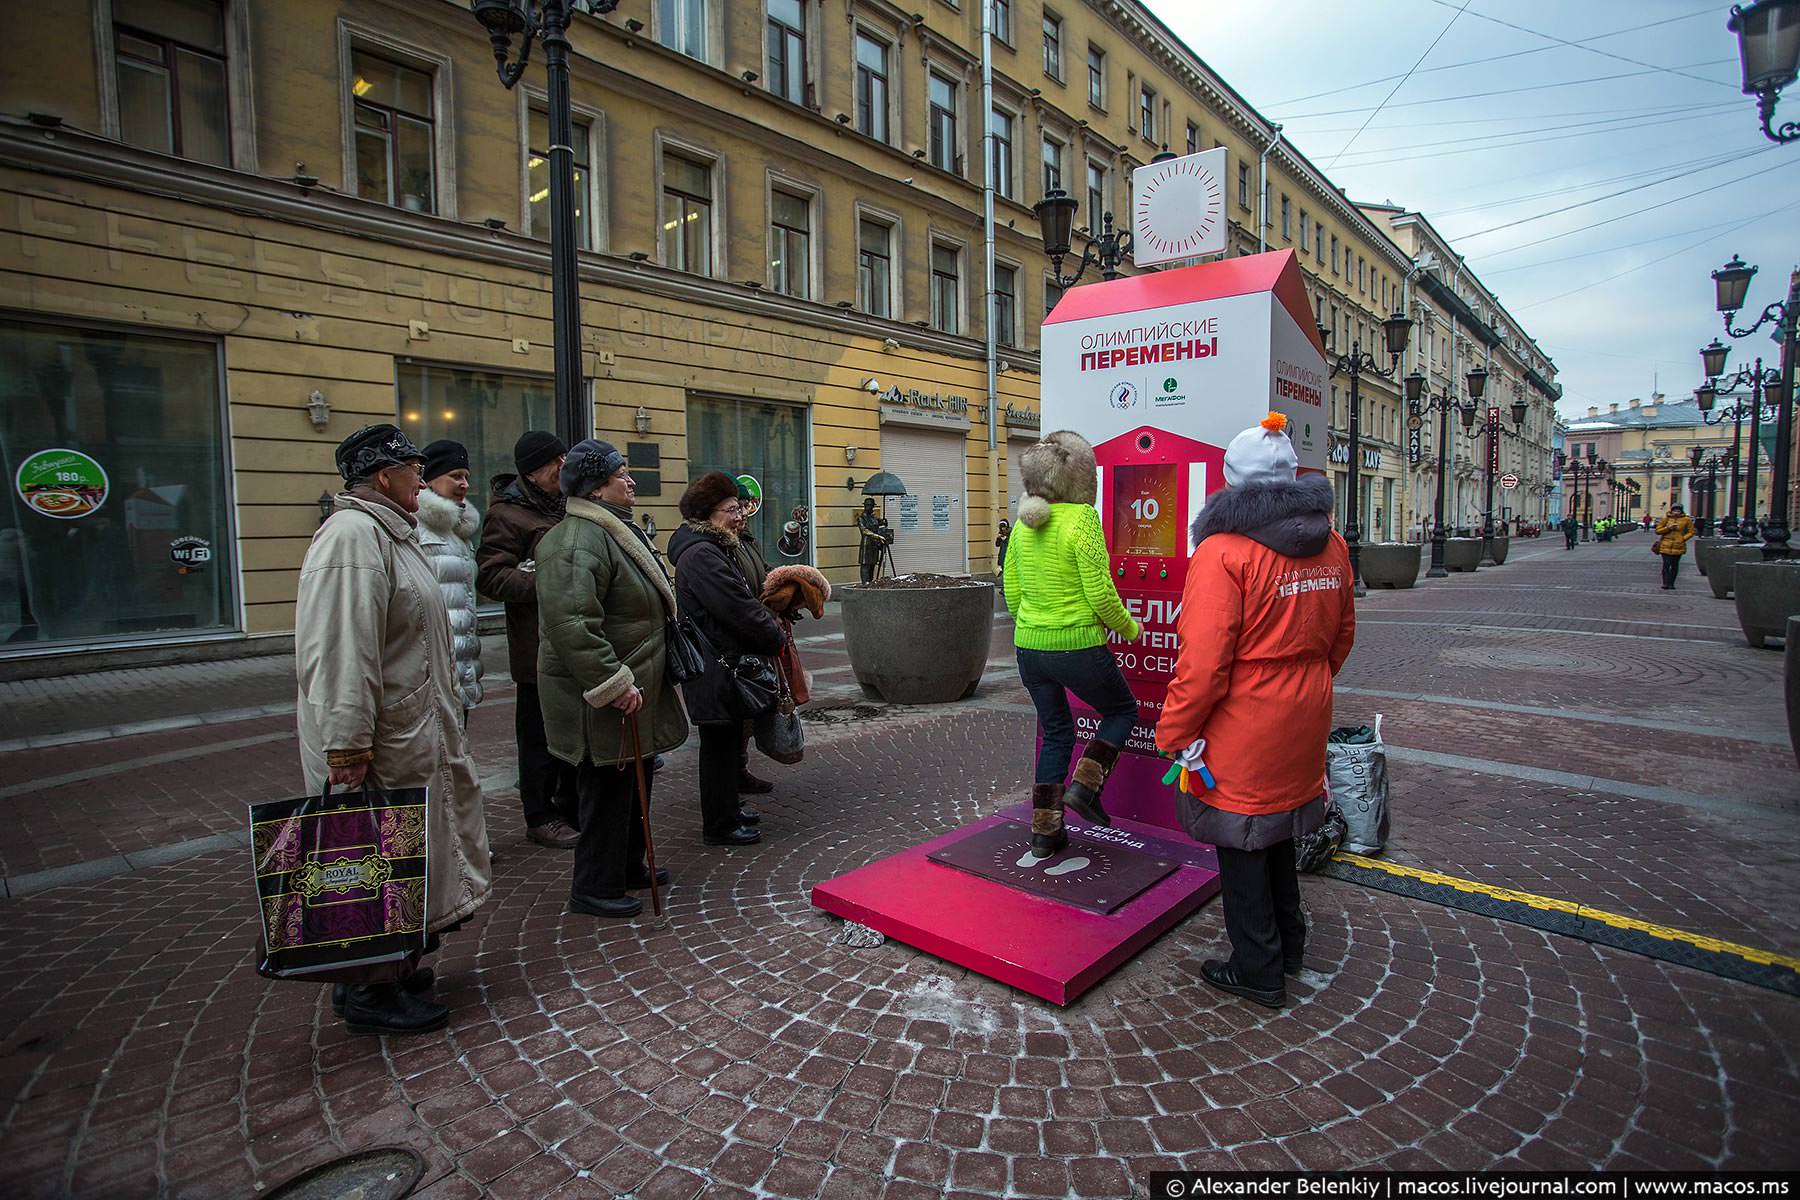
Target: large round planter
{"points": [[1497, 548], [1703, 548], [1792, 666], [918, 645], [1768, 593], [1462, 553], [1723, 566], [1390, 564]]}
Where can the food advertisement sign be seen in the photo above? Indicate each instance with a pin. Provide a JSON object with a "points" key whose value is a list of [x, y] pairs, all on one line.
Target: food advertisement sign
{"points": [[62, 484]]}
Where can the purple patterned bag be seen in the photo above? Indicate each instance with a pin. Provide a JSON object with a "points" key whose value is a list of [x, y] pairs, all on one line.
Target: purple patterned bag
{"points": [[340, 881]]}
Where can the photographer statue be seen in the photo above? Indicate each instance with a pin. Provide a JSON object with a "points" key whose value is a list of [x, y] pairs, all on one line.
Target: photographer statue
{"points": [[876, 538]]}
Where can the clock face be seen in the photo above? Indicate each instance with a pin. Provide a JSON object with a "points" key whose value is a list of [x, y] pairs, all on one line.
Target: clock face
{"points": [[1180, 208]]}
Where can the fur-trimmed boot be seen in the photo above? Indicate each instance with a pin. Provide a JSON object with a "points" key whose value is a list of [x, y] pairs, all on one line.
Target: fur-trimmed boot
{"points": [[1090, 780], [1047, 832]]}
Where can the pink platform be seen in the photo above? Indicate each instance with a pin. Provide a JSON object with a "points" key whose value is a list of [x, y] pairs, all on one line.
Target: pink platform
{"points": [[1053, 950]]}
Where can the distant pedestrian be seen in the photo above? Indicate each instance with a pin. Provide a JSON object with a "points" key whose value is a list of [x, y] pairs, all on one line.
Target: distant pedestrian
{"points": [[523, 509], [1059, 586], [1266, 621], [1000, 541], [603, 662], [756, 572], [1673, 533], [378, 704], [449, 527], [1570, 527], [710, 587]]}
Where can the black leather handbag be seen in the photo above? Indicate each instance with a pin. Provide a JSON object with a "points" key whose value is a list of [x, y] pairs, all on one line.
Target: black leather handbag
{"points": [[689, 650], [751, 687]]}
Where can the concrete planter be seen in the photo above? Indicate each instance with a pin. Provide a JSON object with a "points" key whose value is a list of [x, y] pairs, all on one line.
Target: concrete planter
{"points": [[918, 645], [1498, 546], [1792, 667], [1705, 546], [1462, 553], [1390, 564], [1768, 593], [1723, 564]]}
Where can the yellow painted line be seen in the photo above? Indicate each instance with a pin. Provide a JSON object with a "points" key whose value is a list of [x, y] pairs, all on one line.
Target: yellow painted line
{"points": [[1552, 904]]}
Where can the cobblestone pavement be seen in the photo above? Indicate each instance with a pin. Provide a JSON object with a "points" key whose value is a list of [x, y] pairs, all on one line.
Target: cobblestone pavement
{"points": [[1559, 725]]}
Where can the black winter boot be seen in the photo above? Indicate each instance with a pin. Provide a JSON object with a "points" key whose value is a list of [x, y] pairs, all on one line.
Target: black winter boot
{"points": [[417, 982], [1090, 780], [378, 1009], [1047, 832]]}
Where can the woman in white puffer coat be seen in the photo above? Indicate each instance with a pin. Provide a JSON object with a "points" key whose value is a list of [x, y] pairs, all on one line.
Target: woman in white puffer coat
{"points": [[448, 529]]}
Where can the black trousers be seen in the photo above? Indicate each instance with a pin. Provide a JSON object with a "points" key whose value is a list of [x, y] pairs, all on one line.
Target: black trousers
{"points": [[611, 848], [546, 783], [1671, 568], [1260, 890], [1568, 539], [720, 748]]}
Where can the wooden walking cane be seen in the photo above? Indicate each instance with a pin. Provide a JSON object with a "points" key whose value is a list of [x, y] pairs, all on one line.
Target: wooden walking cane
{"points": [[637, 750]]}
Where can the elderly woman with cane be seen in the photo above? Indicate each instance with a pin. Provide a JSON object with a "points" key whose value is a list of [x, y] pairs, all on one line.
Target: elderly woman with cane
{"points": [[605, 606]]}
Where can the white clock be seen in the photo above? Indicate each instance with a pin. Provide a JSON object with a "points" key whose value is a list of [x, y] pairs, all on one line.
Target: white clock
{"points": [[1179, 208]]}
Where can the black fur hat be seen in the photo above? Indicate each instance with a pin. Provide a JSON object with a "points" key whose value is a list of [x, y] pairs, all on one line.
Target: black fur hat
{"points": [[707, 493]]}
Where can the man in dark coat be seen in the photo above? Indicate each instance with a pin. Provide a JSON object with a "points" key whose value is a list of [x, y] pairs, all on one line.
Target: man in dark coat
{"points": [[1569, 528], [524, 508]]}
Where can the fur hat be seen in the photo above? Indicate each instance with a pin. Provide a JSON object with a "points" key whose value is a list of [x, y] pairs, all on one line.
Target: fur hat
{"points": [[707, 493], [1262, 454], [793, 585], [590, 464], [1058, 470]]}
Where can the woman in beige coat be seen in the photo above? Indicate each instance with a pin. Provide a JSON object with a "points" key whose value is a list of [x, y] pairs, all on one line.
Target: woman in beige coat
{"points": [[378, 705]]}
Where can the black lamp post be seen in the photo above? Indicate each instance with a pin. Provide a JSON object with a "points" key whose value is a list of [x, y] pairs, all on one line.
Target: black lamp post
{"points": [[549, 20], [1415, 394], [1769, 45], [1396, 331], [1710, 463], [1585, 484], [1492, 427], [1056, 222], [1706, 396], [1732, 284]]}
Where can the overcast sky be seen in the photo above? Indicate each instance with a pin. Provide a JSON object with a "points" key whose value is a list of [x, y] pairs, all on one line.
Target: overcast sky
{"points": [[1500, 124]]}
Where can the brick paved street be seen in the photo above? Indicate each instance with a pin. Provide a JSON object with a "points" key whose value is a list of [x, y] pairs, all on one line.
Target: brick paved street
{"points": [[1558, 725]]}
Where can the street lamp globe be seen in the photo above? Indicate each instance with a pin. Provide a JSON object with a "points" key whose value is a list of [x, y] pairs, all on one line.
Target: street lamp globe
{"points": [[1706, 395], [1056, 221], [1415, 386], [500, 16], [1768, 43], [1468, 415], [1477, 382], [1732, 282], [1712, 358], [1398, 331], [1518, 412]]}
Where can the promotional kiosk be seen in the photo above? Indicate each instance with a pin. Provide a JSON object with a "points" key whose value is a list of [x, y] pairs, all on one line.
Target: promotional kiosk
{"points": [[1159, 371]]}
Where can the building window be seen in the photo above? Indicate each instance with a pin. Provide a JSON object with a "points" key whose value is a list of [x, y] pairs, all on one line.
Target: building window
{"points": [[946, 287], [171, 73], [1053, 64], [1334, 255], [394, 133], [790, 244], [1193, 138], [1319, 243], [1096, 76], [681, 25], [1052, 295], [1003, 20], [1147, 113], [1287, 227], [871, 86], [482, 409], [114, 446], [771, 442], [1096, 194], [1362, 274], [1244, 186], [1000, 135], [787, 50], [875, 267], [1053, 164], [1305, 238], [687, 214], [537, 171], [941, 95], [1006, 305]]}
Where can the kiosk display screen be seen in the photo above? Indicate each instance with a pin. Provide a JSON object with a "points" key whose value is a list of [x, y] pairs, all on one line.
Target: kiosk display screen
{"points": [[1146, 517]]}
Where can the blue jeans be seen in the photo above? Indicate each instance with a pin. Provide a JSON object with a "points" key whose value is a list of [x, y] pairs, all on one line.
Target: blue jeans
{"points": [[1093, 675]]}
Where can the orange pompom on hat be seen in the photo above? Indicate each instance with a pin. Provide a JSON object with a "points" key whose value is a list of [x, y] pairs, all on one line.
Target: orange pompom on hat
{"points": [[1262, 454]]}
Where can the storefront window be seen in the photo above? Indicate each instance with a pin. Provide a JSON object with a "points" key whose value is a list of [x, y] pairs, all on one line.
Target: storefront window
{"points": [[484, 410], [766, 441], [116, 523]]}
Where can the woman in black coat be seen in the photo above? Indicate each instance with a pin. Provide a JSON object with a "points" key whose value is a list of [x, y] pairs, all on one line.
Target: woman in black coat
{"points": [[710, 587]]}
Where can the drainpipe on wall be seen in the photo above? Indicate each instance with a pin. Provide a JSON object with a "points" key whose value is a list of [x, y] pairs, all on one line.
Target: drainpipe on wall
{"points": [[987, 223], [1262, 218]]}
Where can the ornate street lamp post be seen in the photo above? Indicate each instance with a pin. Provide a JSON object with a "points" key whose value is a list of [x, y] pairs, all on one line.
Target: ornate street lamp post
{"points": [[1056, 225], [1706, 396], [1732, 284], [1491, 425], [1710, 463], [1769, 45], [1415, 395], [548, 20], [1396, 332]]}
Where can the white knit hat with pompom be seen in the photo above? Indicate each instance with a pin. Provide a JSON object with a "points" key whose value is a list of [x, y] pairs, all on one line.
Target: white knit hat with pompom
{"points": [[1262, 454]]}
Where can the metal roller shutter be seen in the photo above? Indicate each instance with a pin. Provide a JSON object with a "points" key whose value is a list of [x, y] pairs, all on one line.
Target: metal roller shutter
{"points": [[931, 522]]}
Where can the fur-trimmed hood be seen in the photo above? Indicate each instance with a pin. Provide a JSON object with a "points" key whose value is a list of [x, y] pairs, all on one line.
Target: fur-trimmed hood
{"points": [[689, 533], [447, 518], [1293, 519], [1058, 470]]}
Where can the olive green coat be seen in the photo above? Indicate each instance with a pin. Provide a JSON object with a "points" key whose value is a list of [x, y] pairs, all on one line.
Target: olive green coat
{"points": [[603, 608]]}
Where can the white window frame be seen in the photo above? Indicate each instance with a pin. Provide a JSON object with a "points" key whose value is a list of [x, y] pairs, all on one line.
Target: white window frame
{"points": [[711, 33], [241, 98], [580, 114], [1062, 49], [809, 77], [715, 163], [937, 239], [890, 81], [774, 181], [896, 272], [1003, 29], [352, 36]]}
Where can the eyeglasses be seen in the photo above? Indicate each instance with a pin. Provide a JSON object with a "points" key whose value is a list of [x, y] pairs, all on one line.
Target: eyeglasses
{"points": [[732, 509]]}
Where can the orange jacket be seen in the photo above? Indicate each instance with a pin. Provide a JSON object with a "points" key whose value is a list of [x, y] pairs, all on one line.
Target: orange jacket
{"points": [[1262, 634]]}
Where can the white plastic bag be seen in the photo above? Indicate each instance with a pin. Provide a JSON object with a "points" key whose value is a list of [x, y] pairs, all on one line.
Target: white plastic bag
{"points": [[1356, 771]]}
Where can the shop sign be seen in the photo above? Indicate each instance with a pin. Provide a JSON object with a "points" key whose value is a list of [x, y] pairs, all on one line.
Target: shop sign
{"points": [[1023, 417], [1509, 481], [1340, 454], [1414, 438], [926, 401], [192, 553], [753, 495], [1493, 427], [64, 484]]}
